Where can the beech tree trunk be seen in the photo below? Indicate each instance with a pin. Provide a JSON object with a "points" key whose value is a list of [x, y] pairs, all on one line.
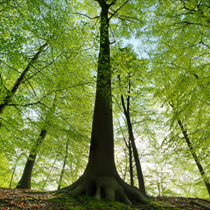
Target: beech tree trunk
{"points": [[100, 177], [25, 181], [135, 151], [130, 162], [195, 157]]}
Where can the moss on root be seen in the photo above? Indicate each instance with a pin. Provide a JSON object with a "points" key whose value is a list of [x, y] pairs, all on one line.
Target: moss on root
{"points": [[112, 188]]}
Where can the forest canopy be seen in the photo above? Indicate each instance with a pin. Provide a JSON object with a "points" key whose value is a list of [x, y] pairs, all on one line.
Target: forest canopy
{"points": [[112, 83]]}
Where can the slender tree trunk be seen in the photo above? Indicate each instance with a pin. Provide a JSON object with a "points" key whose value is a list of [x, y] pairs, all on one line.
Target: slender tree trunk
{"points": [[135, 151], [130, 163], [158, 185], [63, 168], [25, 181], [195, 157], [20, 79]]}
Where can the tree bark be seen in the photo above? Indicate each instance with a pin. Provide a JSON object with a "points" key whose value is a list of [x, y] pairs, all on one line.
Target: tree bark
{"points": [[135, 151], [195, 157], [25, 181], [20, 79], [100, 177], [130, 163]]}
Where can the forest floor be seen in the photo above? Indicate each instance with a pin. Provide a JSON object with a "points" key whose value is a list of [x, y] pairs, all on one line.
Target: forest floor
{"points": [[24, 199]]}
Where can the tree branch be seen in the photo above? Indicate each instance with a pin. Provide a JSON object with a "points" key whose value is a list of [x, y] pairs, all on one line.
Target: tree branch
{"points": [[39, 101], [78, 13], [119, 9], [112, 3]]}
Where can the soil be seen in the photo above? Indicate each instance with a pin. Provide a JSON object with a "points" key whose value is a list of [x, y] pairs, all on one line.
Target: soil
{"points": [[185, 203], [29, 199]]}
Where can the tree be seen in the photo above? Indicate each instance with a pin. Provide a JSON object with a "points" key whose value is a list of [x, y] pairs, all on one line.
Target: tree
{"points": [[181, 63], [132, 140], [37, 51], [195, 157], [130, 73], [25, 181], [100, 174]]}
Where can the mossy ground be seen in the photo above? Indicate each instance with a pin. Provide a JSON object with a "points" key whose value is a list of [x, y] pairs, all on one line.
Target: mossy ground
{"points": [[88, 203]]}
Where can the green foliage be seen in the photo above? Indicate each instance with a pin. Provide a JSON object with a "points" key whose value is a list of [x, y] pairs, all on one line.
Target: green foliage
{"points": [[5, 172], [169, 82]]}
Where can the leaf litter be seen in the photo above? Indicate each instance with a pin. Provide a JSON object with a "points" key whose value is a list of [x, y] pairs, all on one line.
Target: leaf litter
{"points": [[22, 199]]}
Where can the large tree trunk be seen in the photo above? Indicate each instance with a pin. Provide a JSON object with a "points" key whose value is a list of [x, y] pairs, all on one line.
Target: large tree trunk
{"points": [[135, 151], [195, 157], [25, 181], [100, 177]]}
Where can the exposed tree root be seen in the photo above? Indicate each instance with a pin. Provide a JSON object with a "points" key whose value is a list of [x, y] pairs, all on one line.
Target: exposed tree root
{"points": [[112, 188]]}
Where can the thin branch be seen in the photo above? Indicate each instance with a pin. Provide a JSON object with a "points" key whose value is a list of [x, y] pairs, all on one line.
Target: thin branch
{"points": [[112, 32], [3, 83], [112, 3], [124, 16], [187, 23], [41, 69], [13, 126], [184, 6], [27, 117], [57, 114], [39, 101], [78, 13], [200, 56], [204, 44], [126, 143], [13, 68], [119, 9], [118, 104], [32, 89]]}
